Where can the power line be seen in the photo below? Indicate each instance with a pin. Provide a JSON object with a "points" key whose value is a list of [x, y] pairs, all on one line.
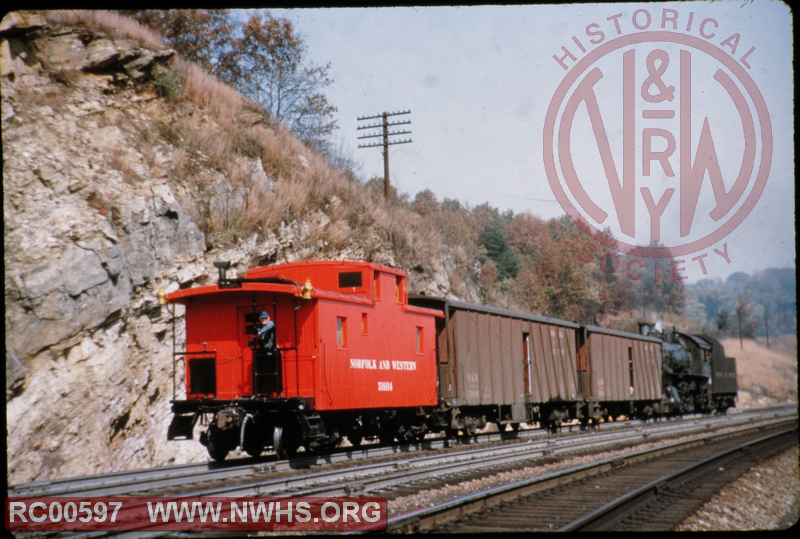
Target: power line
{"points": [[384, 133]]}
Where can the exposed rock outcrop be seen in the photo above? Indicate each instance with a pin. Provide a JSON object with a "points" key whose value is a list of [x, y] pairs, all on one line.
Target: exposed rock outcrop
{"points": [[89, 233]]}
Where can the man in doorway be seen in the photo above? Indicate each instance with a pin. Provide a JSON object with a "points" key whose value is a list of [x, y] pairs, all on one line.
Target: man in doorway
{"points": [[266, 359], [266, 331]]}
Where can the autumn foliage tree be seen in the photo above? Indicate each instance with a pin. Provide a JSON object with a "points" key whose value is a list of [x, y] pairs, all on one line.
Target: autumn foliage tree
{"points": [[197, 35], [552, 278], [264, 58], [659, 291], [527, 263]]}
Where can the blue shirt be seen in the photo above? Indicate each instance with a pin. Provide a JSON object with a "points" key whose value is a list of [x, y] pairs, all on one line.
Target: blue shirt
{"points": [[266, 333]]}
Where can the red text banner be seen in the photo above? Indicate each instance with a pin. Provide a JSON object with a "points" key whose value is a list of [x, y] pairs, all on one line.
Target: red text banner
{"points": [[195, 513]]}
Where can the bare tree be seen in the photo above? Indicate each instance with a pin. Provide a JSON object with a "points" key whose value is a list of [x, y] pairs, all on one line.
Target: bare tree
{"points": [[268, 65]]}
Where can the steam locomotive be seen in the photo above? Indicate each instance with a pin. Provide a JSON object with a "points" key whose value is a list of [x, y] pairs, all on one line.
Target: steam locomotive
{"points": [[356, 357]]}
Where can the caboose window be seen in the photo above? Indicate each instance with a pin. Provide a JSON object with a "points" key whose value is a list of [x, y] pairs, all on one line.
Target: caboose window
{"points": [[203, 375], [419, 341], [251, 323], [350, 279], [341, 331]]}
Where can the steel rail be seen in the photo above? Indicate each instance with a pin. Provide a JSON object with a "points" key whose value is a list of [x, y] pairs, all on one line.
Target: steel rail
{"points": [[427, 518], [610, 514]]}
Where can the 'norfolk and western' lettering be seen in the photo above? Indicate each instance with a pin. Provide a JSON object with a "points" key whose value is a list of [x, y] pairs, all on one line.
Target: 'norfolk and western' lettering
{"points": [[383, 364]]}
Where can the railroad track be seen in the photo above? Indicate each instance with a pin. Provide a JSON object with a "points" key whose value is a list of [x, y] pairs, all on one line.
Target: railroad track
{"points": [[388, 471], [647, 490], [162, 480]]}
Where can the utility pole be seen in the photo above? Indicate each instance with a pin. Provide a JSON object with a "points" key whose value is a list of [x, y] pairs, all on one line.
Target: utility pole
{"points": [[739, 314], [385, 134]]}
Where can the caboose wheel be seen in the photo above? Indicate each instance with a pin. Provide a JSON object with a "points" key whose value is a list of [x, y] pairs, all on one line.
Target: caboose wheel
{"points": [[386, 435], [284, 442], [251, 441], [216, 447], [354, 439]]}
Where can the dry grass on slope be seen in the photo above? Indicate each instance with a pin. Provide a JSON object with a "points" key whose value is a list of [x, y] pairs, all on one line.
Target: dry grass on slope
{"points": [[765, 375], [107, 21], [213, 130]]}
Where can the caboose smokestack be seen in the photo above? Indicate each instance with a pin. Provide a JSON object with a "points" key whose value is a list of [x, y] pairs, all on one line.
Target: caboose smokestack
{"points": [[222, 266]]}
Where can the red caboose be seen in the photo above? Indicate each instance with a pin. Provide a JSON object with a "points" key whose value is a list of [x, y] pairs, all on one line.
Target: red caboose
{"points": [[352, 358]]}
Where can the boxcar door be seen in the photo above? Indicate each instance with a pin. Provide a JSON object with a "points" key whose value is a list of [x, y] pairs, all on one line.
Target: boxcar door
{"points": [[527, 375]]}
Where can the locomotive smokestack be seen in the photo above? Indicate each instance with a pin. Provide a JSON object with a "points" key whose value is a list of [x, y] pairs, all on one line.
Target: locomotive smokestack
{"points": [[222, 267]]}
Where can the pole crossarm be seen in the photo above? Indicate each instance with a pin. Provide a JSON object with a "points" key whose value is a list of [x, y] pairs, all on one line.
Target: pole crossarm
{"points": [[373, 126], [383, 114], [379, 144], [384, 134]]}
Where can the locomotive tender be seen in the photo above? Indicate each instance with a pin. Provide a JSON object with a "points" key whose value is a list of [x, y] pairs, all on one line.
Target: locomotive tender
{"points": [[357, 357]]}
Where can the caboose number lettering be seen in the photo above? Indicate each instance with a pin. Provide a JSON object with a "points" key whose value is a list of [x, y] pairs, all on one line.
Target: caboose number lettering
{"points": [[385, 386]]}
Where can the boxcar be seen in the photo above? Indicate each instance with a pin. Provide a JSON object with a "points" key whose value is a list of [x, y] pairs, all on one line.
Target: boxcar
{"points": [[505, 367], [619, 372]]}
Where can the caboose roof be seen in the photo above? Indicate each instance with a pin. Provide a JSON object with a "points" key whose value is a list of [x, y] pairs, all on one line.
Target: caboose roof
{"points": [[323, 270], [179, 296], [294, 289], [290, 278]]}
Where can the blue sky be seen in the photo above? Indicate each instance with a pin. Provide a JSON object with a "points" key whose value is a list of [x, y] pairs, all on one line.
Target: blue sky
{"points": [[479, 80]]}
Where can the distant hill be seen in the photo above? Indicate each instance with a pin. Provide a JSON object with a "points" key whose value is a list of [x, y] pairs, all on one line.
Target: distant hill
{"points": [[769, 298]]}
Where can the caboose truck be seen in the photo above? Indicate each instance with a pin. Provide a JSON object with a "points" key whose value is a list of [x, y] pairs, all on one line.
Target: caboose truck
{"points": [[355, 359]]}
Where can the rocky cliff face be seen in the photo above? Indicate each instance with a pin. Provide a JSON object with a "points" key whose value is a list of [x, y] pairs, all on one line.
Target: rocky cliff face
{"points": [[86, 247], [96, 221]]}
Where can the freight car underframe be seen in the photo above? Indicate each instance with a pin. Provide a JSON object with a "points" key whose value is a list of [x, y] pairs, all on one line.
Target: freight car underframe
{"points": [[551, 415], [285, 424]]}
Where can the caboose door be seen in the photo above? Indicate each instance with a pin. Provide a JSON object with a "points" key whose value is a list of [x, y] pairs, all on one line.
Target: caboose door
{"points": [[263, 368]]}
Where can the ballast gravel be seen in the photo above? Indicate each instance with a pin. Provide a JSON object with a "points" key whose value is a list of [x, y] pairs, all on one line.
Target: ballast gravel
{"points": [[765, 498]]}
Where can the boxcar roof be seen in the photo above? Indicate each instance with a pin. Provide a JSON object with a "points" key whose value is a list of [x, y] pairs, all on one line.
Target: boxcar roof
{"points": [[617, 333], [427, 301]]}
